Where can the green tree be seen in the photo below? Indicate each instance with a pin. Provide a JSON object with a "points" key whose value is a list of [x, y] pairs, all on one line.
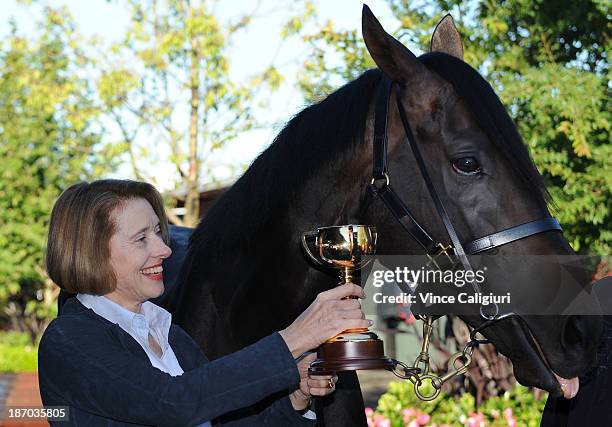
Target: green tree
{"points": [[167, 83], [170, 79], [47, 142], [550, 64], [548, 61]]}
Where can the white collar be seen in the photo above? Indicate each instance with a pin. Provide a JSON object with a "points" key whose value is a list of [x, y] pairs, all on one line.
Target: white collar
{"points": [[152, 317]]}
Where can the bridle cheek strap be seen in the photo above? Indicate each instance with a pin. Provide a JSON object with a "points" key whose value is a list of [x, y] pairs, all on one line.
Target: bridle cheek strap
{"points": [[381, 187]]}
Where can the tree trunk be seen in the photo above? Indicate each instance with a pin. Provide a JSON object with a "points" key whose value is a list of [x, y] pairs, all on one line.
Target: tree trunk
{"points": [[192, 199]]}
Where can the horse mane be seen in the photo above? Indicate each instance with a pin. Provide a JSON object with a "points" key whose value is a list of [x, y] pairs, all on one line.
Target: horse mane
{"points": [[490, 114], [312, 139], [322, 132]]}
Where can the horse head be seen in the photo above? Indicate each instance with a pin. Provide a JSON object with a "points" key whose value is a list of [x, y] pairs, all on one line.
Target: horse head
{"points": [[487, 183]]}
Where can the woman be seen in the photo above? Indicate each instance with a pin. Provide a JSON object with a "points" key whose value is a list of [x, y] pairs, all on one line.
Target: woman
{"points": [[114, 358]]}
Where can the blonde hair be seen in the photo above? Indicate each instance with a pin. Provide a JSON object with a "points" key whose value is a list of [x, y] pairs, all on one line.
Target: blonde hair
{"points": [[81, 226]]}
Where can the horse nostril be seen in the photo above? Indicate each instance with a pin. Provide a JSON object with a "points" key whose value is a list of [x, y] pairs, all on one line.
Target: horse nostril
{"points": [[575, 333]]}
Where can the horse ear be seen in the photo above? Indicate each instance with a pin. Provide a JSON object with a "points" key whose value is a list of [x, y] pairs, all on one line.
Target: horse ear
{"points": [[446, 38], [391, 56]]}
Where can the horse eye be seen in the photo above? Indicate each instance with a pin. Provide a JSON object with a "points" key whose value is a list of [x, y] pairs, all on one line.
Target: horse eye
{"points": [[466, 165]]}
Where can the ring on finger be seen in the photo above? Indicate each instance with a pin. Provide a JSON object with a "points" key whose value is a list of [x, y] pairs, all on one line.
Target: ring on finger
{"points": [[330, 383]]}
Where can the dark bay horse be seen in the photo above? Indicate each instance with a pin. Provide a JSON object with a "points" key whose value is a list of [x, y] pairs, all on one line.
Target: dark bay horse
{"points": [[245, 275]]}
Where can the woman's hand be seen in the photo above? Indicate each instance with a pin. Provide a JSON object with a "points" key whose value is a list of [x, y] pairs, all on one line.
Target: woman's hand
{"points": [[311, 385], [326, 317]]}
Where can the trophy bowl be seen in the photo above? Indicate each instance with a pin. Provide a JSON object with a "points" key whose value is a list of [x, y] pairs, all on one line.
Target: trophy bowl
{"points": [[342, 247], [345, 248]]}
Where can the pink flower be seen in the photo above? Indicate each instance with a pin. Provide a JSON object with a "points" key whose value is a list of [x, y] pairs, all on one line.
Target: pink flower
{"points": [[423, 419], [509, 417], [408, 413], [413, 423], [476, 420], [369, 413], [381, 421]]}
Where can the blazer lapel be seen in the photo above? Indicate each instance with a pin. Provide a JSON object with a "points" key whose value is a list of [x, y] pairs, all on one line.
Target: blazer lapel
{"points": [[129, 343]]}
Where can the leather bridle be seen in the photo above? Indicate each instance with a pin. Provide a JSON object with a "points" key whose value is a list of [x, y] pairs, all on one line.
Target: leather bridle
{"points": [[381, 187]]}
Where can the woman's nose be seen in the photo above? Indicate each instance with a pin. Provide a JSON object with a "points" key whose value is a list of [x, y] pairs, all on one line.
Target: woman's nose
{"points": [[161, 249]]}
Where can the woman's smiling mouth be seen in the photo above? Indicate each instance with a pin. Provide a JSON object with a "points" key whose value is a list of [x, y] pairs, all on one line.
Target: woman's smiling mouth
{"points": [[154, 273]]}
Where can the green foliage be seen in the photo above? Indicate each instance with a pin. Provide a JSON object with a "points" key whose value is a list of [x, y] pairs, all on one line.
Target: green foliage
{"points": [[59, 94], [46, 144], [549, 62], [17, 354], [326, 69], [335, 57], [399, 405], [173, 65]]}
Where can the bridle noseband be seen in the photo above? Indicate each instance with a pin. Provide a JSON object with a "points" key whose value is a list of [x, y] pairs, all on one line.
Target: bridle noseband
{"points": [[381, 187]]}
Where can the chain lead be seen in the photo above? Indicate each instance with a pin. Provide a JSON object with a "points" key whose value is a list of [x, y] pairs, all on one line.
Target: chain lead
{"points": [[410, 373], [423, 356], [419, 376]]}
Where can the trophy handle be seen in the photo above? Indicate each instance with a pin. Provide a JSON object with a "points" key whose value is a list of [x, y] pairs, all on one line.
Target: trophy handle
{"points": [[311, 236]]}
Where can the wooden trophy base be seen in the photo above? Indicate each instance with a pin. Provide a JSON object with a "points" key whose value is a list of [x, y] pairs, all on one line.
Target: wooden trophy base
{"points": [[344, 354]]}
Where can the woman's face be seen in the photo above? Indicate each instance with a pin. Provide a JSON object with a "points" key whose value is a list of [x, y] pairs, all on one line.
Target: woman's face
{"points": [[137, 251]]}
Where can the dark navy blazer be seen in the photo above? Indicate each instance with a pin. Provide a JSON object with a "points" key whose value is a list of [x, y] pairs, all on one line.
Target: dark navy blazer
{"points": [[97, 369]]}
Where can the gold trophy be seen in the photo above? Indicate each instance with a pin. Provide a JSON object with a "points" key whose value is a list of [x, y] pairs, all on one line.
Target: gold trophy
{"points": [[344, 248]]}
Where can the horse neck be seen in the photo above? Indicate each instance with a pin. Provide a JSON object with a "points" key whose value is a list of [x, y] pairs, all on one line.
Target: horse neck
{"points": [[330, 198]]}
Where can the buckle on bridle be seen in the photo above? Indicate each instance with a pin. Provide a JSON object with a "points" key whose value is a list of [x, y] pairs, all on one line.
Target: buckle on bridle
{"points": [[448, 254], [384, 178]]}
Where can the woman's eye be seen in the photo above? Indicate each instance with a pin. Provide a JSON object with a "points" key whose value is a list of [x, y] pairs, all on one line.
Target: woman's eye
{"points": [[141, 239], [466, 165]]}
